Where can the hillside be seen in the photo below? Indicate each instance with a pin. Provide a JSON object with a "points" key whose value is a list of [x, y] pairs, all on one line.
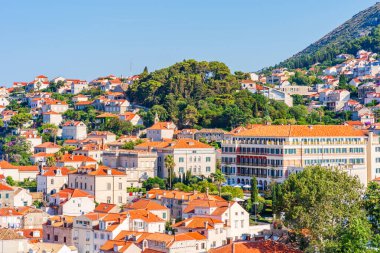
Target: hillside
{"points": [[357, 30]]}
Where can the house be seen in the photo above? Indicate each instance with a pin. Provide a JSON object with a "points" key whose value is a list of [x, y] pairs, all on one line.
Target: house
{"points": [[40, 158], [33, 218], [52, 179], [33, 235], [71, 202], [80, 98], [210, 134], [32, 137], [105, 136], [355, 82], [47, 147], [372, 97], [75, 130], [12, 241], [77, 86], [58, 229], [134, 118], [90, 150], [175, 200], [186, 242], [10, 218], [138, 165], [161, 130], [52, 117], [18, 173], [186, 133], [149, 205], [106, 184], [213, 229], [82, 105], [43, 247], [278, 96], [75, 161], [14, 196], [55, 106], [337, 99], [39, 83], [116, 106], [188, 155], [4, 101]]}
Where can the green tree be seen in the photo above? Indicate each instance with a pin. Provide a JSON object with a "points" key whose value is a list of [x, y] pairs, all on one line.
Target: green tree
{"points": [[170, 165], [372, 205], [322, 201], [18, 120], [18, 150], [50, 161], [219, 178], [154, 182], [9, 180]]}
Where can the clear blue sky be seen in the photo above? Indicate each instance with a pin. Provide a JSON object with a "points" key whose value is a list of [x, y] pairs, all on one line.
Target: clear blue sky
{"points": [[86, 39]]}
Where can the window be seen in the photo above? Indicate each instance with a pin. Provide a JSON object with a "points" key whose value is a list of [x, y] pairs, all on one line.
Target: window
{"points": [[180, 170], [120, 199], [48, 236], [208, 159], [109, 200], [64, 239], [120, 186], [208, 169], [164, 215], [52, 181], [7, 195], [56, 238], [108, 186], [181, 160]]}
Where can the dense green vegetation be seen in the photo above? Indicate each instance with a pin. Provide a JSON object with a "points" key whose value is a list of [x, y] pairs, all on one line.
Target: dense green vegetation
{"points": [[327, 55], [328, 211], [202, 94]]}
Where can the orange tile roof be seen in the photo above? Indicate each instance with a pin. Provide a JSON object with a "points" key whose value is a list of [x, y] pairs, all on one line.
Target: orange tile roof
{"points": [[72, 193], [48, 145], [198, 222], [76, 158], [84, 103], [6, 165], [301, 131], [27, 168], [5, 187], [128, 116], [267, 246], [7, 211], [52, 171], [144, 215], [107, 115], [146, 204], [140, 236], [104, 208], [162, 126], [109, 245]]}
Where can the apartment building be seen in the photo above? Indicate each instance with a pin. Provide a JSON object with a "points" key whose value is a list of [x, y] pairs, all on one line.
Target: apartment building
{"points": [[272, 153], [106, 184], [188, 154], [58, 229], [139, 165], [75, 130]]}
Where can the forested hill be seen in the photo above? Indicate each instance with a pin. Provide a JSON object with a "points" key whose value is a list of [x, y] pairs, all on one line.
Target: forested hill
{"points": [[356, 33], [205, 94]]}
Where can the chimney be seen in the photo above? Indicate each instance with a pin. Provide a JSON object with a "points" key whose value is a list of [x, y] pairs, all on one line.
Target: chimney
{"points": [[109, 171], [206, 224], [58, 172], [96, 166]]}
